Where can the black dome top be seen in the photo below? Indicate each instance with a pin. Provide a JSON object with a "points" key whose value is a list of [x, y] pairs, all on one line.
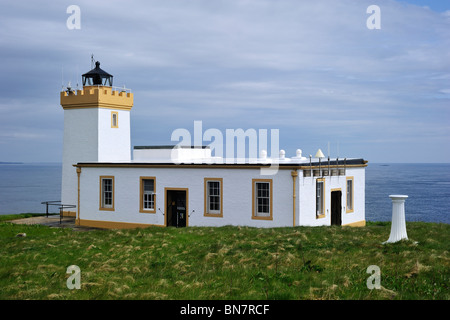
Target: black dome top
{"points": [[97, 77]]}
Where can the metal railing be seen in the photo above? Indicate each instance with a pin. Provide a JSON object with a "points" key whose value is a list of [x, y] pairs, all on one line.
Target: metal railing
{"points": [[69, 88], [61, 207]]}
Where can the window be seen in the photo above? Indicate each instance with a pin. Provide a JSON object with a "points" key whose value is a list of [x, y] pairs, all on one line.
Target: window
{"points": [[349, 194], [114, 119], [213, 197], [262, 199], [107, 193], [147, 195], [320, 198]]}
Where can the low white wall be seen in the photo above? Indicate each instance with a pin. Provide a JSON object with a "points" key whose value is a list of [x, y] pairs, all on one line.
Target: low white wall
{"points": [[170, 154]]}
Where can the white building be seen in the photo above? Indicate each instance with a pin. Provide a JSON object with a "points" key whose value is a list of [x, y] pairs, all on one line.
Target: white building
{"points": [[186, 186]]}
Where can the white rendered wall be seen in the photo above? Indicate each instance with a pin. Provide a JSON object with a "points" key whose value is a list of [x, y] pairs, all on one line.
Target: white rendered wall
{"points": [[359, 212], [237, 195], [114, 144], [152, 155], [307, 198], [80, 144], [170, 154], [89, 137]]}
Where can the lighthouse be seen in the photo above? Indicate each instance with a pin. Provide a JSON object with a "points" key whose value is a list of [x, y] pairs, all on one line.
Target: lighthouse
{"points": [[96, 127], [112, 188]]}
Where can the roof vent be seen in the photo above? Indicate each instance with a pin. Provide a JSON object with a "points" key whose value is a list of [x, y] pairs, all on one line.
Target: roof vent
{"points": [[319, 154], [263, 154]]}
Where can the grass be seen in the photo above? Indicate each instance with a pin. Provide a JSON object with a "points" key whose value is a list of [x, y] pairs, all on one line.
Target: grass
{"points": [[225, 263]]}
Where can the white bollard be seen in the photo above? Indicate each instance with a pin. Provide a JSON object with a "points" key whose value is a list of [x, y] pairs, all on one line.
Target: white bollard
{"points": [[398, 227]]}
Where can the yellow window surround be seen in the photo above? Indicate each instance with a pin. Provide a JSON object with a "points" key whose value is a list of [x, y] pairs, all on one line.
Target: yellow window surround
{"points": [[207, 211], [141, 195], [103, 206], [322, 214], [350, 193], [254, 200], [114, 119]]}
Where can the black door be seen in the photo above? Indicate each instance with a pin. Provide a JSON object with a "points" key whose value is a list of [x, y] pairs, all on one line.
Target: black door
{"points": [[176, 208], [336, 208]]}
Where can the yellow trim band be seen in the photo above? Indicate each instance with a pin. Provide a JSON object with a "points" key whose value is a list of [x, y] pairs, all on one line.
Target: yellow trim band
{"points": [[361, 223], [97, 97], [71, 214], [113, 225]]}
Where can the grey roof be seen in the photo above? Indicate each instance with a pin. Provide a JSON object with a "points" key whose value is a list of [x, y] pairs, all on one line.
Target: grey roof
{"points": [[170, 147]]}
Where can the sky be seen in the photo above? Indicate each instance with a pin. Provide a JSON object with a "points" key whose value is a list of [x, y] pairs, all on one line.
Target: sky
{"points": [[314, 70]]}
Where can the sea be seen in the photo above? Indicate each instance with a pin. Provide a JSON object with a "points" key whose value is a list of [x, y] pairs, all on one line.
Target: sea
{"points": [[24, 186]]}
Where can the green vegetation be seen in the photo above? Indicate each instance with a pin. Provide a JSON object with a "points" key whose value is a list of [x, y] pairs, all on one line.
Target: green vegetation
{"points": [[224, 263]]}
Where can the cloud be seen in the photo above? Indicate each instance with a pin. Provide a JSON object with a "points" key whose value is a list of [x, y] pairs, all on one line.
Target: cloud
{"points": [[310, 68]]}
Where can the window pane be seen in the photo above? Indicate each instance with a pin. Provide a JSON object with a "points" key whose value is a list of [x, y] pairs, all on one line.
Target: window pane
{"points": [[149, 185], [214, 203], [214, 188], [213, 197], [149, 202], [319, 197], [262, 198], [107, 184], [350, 194], [148, 194], [107, 193]]}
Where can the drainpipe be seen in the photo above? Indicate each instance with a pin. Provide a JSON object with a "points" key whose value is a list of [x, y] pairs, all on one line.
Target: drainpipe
{"points": [[329, 172], [337, 166], [310, 167], [294, 175], [78, 204]]}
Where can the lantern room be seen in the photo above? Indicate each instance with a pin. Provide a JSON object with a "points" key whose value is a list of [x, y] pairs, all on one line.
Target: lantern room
{"points": [[97, 77]]}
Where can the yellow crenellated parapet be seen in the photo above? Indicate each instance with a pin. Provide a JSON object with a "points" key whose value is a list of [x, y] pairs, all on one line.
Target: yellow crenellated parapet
{"points": [[97, 97]]}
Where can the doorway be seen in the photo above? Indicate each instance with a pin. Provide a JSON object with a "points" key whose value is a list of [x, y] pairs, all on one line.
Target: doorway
{"points": [[336, 208], [176, 207]]}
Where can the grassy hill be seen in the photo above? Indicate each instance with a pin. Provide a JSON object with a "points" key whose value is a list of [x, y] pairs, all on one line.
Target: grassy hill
{"points": [[225, 263]]}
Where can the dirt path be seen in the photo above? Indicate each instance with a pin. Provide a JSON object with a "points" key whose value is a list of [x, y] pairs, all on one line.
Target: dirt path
{"points": [[52, 221]]}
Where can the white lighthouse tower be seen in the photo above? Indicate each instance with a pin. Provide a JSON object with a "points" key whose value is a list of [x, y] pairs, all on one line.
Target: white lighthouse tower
{"points": [[96, 128]]}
